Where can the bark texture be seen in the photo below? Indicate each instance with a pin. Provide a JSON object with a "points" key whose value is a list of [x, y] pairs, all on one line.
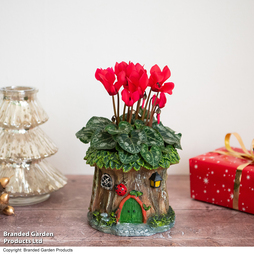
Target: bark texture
{"points": [[106, 201]]}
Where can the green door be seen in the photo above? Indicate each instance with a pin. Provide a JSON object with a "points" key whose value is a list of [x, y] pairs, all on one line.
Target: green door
{"points": [[131, 212]]}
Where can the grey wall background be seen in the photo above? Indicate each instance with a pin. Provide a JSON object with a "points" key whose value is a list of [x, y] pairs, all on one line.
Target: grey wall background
{"points": [[56, 46]]}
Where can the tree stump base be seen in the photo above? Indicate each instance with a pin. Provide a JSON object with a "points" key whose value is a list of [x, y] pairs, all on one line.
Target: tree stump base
{"points": [[130, 204], [153, 226]]}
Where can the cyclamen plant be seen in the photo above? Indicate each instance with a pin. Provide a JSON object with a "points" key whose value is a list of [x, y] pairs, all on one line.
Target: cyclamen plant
{"points": [[135, 138]]}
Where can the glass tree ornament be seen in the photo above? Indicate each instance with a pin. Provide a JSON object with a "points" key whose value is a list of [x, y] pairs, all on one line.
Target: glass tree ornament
{"points": [[24, 147]]}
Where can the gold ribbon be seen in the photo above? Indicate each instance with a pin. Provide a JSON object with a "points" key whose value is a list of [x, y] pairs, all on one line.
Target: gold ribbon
{"points": [[245, 155]]}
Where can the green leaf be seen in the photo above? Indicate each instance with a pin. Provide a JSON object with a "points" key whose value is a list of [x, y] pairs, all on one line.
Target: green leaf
{"points": [[100, 163], [140, 162], [136, 193], [102, 140], [148, 166], [152, 156], [89, 151], [115, 165], [136, 166], [164, 163], [122, 128], [126, 157], [173, 156], [168, 135], [165, 149], [85, 134], [139, 193], [90, 159], [115, 157], [133, 143], [146, 208], [97, 123], [133, 193], [178, 144], [139, 124], [153, 137], [169, 129], [106, 160], [127, 167]]}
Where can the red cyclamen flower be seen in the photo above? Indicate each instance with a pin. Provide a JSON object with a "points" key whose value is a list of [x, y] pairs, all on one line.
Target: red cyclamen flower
{"points": [[130, 98], [107, 78], [157, 79], [160, 101], [132, 76]]}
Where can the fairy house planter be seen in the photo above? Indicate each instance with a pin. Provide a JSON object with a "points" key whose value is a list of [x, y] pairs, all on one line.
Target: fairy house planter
{"points": [[131, 154]]}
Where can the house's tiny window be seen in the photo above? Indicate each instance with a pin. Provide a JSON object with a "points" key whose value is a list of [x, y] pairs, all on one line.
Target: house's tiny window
{"points": [[106, 181]]}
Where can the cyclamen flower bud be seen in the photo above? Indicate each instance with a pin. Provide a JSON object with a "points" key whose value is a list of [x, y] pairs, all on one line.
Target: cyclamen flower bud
{"points": [[158, 118], [158, 112], [144, 99]]}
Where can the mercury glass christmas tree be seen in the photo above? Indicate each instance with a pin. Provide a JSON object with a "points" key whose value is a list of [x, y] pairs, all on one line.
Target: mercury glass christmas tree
{"points": [[24, 147]]}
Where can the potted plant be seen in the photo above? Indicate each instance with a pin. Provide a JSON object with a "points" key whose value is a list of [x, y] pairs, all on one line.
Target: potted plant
{"points": [[131, 153]]}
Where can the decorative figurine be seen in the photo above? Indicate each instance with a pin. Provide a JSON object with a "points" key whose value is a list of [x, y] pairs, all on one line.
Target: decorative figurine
{"points": [[131, 154], [25, 147]]}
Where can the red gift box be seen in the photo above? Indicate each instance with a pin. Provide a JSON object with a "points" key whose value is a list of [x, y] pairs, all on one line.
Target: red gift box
{"points": [[214, 178]]}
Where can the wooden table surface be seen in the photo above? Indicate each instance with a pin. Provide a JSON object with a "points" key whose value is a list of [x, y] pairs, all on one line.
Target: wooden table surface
{"points": [[64, 215]]}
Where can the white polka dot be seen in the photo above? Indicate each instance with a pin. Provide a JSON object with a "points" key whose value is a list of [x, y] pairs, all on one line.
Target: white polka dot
{"points": [[205, 180], [218, 191], [196, 166]]}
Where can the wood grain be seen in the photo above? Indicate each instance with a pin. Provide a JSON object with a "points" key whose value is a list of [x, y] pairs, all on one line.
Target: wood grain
{"points": [[64, 214]]}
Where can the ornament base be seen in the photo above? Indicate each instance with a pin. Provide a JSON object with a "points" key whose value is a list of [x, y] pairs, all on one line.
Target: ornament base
{"points": [[153, 226], [25, 201]]}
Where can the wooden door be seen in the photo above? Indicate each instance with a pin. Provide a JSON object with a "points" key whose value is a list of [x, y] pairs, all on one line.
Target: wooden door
{"points": [[131, 212]]}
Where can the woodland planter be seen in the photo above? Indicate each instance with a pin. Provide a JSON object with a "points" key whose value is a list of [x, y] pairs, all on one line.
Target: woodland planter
{"points": [[131, 154]]}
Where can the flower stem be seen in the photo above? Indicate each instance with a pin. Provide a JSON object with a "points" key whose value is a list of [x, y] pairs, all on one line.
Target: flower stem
{"points": [[130, 116], [124, 109], [137, 110], [153, 110], [148, 110], [118, 109], [143, 115], [114, 106]]}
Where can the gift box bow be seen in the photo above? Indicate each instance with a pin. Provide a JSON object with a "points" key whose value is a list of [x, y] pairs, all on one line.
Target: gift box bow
{"points": [[245, 155]]}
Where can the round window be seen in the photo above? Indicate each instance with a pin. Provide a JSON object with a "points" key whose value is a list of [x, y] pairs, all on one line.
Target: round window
{"points": [[106, 181]]}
